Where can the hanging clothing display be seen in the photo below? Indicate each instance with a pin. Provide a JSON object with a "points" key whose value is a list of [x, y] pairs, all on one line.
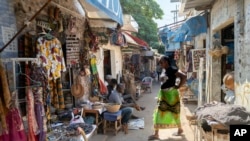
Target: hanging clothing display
{"points": [[5, 98], [11, 127], [39, 112], [50, 56], [32, 123], [56, 93]]}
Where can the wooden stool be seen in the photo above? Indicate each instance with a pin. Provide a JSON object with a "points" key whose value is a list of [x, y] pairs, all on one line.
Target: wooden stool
{"points": [[112, 121]]}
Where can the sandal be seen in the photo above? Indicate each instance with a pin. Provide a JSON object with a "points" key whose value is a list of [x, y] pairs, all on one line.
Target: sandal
{"points": [[153, 137], [178, 133]]}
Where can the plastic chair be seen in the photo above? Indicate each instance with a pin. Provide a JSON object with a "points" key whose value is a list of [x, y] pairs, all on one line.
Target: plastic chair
{"points": [[146, 83]]}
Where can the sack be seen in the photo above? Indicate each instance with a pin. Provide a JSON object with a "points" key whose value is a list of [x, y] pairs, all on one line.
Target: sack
{"points": [[77, 118]]}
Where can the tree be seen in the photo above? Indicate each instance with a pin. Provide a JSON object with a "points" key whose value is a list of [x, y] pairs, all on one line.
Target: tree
{"points": [[144, 11]]}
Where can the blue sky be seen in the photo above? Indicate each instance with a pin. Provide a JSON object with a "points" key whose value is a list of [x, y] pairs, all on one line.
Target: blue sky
{"points": [[167, 7]]}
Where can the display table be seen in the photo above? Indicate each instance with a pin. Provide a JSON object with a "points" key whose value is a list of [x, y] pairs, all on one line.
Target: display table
{"points": [[96, 113], [60, 134]]}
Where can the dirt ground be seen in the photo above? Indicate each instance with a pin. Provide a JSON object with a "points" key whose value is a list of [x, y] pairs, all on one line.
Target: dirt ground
{"points": [[149, 101]]}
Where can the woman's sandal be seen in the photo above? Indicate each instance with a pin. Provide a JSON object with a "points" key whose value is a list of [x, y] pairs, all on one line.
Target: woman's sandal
{"points": [[178, 133], [153, 137]]}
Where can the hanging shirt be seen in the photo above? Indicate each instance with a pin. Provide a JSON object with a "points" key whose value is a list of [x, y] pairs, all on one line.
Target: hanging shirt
{"points": [[50, 56]]}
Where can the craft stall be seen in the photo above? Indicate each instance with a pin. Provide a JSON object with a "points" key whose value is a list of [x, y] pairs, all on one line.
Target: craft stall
{"points": [[51, 77]]}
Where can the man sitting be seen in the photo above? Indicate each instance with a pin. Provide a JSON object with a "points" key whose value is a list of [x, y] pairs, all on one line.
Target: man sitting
{"points": [[126, 98], [116, 97]]}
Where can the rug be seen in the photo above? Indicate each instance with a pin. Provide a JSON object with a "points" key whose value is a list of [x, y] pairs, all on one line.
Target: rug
{"points": [[135, 124]]}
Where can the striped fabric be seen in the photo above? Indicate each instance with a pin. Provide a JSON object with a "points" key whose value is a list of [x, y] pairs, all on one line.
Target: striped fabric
{"points": [[56, 93]]}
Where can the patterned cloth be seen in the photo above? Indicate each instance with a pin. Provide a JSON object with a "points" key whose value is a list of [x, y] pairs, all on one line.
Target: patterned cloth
{"points": [[5, 98], [51, 56], [56, 93], [16, 130], [32, 123], [167, 115], [40, 113]]}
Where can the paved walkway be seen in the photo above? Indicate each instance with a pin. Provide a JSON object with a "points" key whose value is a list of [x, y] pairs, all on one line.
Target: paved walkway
{"points": [[149, 101]]}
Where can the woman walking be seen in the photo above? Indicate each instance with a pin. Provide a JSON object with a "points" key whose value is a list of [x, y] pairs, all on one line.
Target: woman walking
{"points": [[167, 114]]}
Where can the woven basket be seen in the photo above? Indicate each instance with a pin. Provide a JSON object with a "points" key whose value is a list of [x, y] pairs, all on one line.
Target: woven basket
{"points": [[97, 106], [224, 50], [215, 53], [112, 107]]}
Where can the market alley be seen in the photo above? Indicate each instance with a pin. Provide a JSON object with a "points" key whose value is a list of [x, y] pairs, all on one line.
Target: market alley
{"points": [[149, 101]]}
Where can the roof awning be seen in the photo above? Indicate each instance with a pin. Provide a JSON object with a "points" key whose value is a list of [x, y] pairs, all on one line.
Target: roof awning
{"points": [[198, 4], [104, 12], [139, 41], [130, 40]]}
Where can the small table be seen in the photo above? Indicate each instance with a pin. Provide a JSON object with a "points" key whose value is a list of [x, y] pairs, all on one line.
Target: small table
{"points": [[95, 112]]}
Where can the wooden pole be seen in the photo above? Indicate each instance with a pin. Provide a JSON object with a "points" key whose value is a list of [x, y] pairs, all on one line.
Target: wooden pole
{"points": [[24, 26]]}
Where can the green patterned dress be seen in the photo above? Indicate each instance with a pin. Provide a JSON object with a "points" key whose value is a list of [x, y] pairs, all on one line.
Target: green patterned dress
{"points": [[167, 114]]}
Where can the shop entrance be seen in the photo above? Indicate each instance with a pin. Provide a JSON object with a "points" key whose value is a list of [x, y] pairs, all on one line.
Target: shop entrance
{"points": [[107, 62], [227, 63]]}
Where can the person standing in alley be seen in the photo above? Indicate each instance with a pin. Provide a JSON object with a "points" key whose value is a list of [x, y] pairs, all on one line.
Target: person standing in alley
{"points": [[167, 114], [158, 70]]}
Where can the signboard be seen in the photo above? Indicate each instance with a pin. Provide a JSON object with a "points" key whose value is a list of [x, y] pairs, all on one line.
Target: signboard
{"points": [[196, 55], [72, 50]]}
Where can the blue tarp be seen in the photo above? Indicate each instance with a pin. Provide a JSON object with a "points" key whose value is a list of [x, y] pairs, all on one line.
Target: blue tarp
{"points": [[165, 35], [189, 29], [110, 7]]}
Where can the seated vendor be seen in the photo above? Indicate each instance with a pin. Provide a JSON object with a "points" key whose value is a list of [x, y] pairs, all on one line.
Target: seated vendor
{"points": [[116, 97], [228, 88], [126, 98]]}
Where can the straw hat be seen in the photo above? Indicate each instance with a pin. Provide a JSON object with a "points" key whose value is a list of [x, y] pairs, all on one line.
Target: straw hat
{"points": [[77, 89]]}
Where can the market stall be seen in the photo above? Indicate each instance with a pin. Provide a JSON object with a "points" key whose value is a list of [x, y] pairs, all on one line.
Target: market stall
{"points": [[51, 76]]}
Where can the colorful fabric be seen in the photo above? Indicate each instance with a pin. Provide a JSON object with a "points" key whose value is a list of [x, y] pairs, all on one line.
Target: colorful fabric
{"points": [[51, 57], [5, 98], [93, 65], [40, 113], [167, 114], [15, 130], [32, 123], [56, 93]]}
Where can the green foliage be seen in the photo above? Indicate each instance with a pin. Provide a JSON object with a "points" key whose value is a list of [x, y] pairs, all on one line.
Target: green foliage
{"points": [[144, 11]]}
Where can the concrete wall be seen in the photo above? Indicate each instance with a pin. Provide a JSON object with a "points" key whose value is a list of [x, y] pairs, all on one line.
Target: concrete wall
{"points": [[116, 60], [242, 42], [222, 14]]}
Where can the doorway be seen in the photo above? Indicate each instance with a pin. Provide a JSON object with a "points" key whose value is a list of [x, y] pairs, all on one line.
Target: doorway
{"points": [[107, 62], [227, 63]]}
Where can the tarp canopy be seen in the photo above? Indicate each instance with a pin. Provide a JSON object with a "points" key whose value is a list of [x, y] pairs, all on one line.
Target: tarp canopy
{"points": [[189, 29], [102, 10]]}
